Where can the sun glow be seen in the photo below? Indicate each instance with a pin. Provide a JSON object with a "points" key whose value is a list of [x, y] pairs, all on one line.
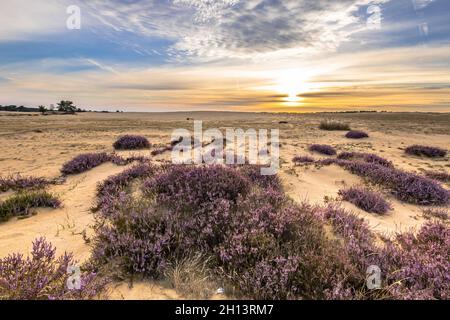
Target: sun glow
{"points": [[292, 83]]}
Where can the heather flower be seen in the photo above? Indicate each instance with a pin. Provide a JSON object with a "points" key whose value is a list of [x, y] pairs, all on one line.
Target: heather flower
{"points": [[18, 182], [366, 157], [365, 199], [43, 276], [302, 159], [131, 142], [85, 162], [323, 149], [355, 134], [427, 151]]}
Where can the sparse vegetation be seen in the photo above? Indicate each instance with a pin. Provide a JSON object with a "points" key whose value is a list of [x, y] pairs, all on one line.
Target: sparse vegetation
{"points": [[21, 204], [439, 213], [438, 175], [365, 199], [334, 126], [427, 151]]}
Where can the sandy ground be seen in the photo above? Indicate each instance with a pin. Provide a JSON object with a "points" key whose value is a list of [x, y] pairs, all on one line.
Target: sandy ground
{"points": [[37, 145]]}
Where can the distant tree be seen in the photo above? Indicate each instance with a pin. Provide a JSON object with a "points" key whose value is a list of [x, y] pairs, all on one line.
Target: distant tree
{"points": [[42, 109], [52, 107], [66, 106]]}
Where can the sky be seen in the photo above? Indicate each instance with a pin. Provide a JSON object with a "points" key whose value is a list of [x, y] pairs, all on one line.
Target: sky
{"points": [[227, 55]]}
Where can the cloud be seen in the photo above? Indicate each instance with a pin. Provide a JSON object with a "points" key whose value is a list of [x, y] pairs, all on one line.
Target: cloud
{"points": [[205, 30]]}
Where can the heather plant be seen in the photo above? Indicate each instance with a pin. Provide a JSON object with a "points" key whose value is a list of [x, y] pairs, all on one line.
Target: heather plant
{"points": [[18, 183], [334, 126], [427, 151], [365, 199], [323, 149], [85, 162], [43, 276], [23, 203], [302, 159], [413, 265], [355, 134], [438, 175], [244, 223], [255, 241], [366, 157], [131, 142], [406, 186]]}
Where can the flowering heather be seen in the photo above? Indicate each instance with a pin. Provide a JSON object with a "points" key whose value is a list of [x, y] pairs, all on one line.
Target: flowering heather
{"points": [[405, 186], [334, 126], [256, 240], [131, 142], [253, 172], [365, 199], [18, 182], [21, 204], [197, 185], [85, 162], [414, 266], [109, 190], [302, 159], [366, 157], [323, 149], [252, 235], [430, 152], [43, 276], [355, 134], [437, 175]]}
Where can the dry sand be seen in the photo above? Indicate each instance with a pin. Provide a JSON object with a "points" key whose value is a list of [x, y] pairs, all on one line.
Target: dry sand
{"points": [[37, 145]]}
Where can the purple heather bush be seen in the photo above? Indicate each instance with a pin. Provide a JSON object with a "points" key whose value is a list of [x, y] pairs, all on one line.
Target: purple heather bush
{"points": [[427, 151], [366, 157], [18, 182], [251, 231], [406, 186], [303, 159], [323, 149], [355, 134], [85, 162], [438, 175], [366, 200], [414, 266], [256, 241], [131, 142], [21, 204], [43, 276]]}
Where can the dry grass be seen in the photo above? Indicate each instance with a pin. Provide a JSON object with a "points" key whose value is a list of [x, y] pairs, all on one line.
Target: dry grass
{"points": [[190, 277]]}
